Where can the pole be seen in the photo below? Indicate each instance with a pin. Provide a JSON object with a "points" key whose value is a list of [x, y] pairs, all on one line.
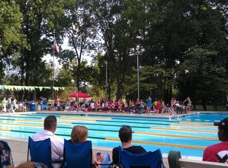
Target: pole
{"points": [[106, 80], [227, 102], [138, 75], [53, 75], [78, 104]]}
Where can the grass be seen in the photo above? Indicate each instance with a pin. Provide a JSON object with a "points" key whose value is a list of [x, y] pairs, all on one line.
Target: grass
{"points": [[210, 108]]}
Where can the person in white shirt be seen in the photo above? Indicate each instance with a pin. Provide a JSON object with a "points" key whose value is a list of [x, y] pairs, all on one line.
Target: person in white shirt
{"points": [[92, 105], [57, 143], [178, 107], [4, 105], [14, 105]]}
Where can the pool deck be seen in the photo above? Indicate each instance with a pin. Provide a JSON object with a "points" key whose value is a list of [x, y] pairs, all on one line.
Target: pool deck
{"points": [[19, 146]]}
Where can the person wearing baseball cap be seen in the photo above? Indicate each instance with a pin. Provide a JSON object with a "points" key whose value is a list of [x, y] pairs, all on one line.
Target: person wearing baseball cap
{"points": [[218, 152]]}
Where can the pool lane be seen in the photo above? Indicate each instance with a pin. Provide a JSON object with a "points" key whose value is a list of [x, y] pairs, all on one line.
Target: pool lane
{"points": [[187, 136]]}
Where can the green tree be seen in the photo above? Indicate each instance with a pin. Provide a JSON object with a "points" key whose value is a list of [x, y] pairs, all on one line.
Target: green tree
{"points": [[68, 75], [11, 38], [40, 24], [202, 71], [78, 26], [179, 26], [205, 47], [122, 25]]}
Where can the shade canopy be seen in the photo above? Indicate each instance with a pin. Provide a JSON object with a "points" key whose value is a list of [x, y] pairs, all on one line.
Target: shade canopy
{"points": [[80, 95]]}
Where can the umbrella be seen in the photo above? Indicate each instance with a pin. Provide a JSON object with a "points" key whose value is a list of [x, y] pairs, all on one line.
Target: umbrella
{"points": [[80, 95]]}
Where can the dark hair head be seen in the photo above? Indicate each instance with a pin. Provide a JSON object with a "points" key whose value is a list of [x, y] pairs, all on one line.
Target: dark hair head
{"points": [[49, 122], [223, 124], [125, 133]]}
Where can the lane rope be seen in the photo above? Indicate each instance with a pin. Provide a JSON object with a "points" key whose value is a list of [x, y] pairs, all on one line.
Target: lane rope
{"points": [[84, 118], [27, 125], [177, 136], [194, 125], [162, 144], [183, 130]]}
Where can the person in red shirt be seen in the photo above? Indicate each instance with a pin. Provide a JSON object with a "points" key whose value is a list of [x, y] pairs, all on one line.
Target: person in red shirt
{"points": [[218, 152], [158, 106]]}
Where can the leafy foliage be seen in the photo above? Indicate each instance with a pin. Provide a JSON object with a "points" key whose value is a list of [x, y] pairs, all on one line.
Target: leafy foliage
{"points": [[185, 44]]}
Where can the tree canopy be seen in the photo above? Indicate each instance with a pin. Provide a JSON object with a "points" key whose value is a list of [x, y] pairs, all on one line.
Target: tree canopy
{"points": [[184, 41]]}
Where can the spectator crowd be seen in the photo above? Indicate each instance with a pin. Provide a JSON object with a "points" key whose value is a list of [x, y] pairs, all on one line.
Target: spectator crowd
{"points": [[122, 105]]}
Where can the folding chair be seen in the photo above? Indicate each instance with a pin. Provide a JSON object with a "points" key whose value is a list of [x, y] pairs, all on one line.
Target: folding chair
{"points": [[77, 155], [145, 160], [40, 151], [5, 154]]}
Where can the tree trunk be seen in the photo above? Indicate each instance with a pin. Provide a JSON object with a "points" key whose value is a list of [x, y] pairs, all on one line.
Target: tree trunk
{"points": [[166, 96], [34, 95], [118, 90], [26, 84], [215, 107], [170, 94], [204, 104], [78, 74]]}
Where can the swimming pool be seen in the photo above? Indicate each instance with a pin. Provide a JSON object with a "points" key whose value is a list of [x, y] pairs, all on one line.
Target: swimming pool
{"points": [[189, 134]]}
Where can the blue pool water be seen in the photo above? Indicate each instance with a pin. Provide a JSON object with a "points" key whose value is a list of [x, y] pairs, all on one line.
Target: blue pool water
{"points": [[189, 134]]}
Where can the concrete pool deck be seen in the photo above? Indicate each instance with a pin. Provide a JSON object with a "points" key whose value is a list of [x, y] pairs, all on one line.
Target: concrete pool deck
{"points": [[19, 146]]}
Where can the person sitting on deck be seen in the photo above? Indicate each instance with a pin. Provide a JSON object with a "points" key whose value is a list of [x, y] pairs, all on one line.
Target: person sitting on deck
{"points": [[73, 106], [163, 107], [50, 126], [218, 152], [6, 155], [79, 134], [125, 135]]}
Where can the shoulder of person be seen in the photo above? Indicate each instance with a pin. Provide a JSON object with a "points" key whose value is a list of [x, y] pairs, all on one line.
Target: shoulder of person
{"points": [[140, 148], [116, 149], [59, 139], [136, 149], [214, 146]]}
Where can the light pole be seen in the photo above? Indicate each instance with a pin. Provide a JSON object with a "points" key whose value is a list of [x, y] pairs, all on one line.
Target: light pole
{"points": [[138, 75], [53, 74], [106, 79], [138, 50], [227, 102]]}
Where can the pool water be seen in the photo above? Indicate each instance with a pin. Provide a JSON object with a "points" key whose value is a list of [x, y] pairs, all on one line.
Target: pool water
{"points": [[189, 134]]}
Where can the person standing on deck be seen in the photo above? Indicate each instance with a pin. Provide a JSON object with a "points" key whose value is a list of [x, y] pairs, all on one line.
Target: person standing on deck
{"points": [[4, 105], [149, 101], [9, 106]]}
